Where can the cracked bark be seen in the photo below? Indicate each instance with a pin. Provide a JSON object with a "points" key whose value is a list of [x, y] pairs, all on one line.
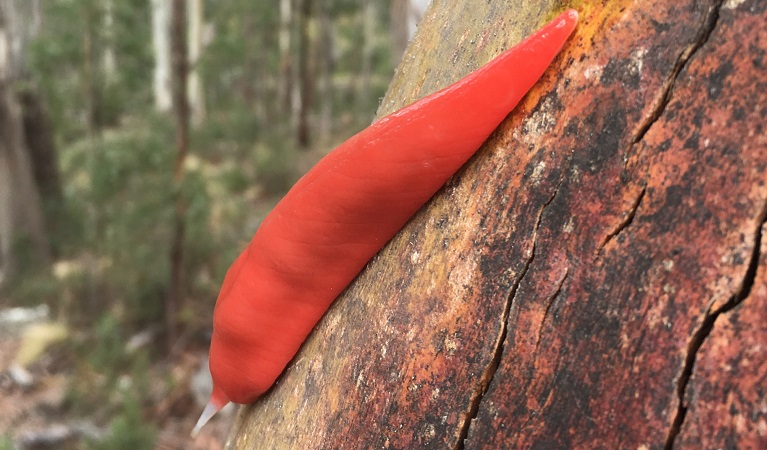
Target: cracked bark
{"points": [[625, 222], [489, 373], [707, 325], [707, 27], [480, 390], [644, 145], [549, 303]]}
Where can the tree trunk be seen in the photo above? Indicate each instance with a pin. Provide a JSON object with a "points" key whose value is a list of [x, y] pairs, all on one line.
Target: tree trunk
{"points": [[180, 85], [22, 27], [404, 17], [286, 71], [305, 74], [596, 277], [22, 228], [398, 29], [326, 65], [90, 74], [196, 94], [43, 156], [162, 82], [21, 19], [368, 17], [108, 61]]}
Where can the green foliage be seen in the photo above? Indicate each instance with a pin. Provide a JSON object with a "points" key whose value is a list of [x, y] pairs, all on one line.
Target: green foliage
{"points": [[123, 190], [33, 287], [106, 353], [275, 165], [113, 385], [112, 273], [6, 443], [129, 429], [67, 59]]}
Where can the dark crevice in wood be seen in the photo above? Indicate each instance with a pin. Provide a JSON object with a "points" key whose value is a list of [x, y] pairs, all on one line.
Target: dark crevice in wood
{"points": [[707, 325], [492, 367], [487, 376], [550, 302], [628, 219], [668, 86]]}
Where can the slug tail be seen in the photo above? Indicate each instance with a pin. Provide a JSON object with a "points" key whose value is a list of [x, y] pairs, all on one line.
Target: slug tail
{"points": [[217, 401]]}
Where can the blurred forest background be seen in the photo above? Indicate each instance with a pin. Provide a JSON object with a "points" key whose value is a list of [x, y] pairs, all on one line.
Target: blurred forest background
{"points": [[141, 143]]}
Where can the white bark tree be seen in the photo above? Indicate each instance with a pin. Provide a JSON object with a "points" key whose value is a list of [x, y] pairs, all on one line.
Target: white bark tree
{"points": [[284, 38], [195, 90], [163, 86], [326, 58], [21, 214], [108, 57], [369, 12], [405, 15]]}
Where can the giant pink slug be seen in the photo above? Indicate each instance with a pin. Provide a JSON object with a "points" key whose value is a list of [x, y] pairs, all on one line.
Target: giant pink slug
{"points": [[328, 226]]}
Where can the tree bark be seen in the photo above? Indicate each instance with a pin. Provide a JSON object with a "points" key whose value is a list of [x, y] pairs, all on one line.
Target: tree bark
{"points": [[43, 156], [398, 30], [162, 82], [404, 17], [326, 66], [22, 228], [89, 71], [286, 70], [594, 278], [175, 300], [22, 24], [108, 60], [196, 93], [306, 78], [368, 37]]}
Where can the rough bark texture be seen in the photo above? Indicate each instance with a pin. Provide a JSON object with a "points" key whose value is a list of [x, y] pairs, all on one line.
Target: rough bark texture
{"points": [[23, 236], [22, 226], [175, 301], [593, 278], [38, 132]]}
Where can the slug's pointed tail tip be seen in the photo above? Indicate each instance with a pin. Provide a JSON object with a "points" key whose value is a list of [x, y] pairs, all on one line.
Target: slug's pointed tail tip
{"points": [[567, 20], [210, 410]]}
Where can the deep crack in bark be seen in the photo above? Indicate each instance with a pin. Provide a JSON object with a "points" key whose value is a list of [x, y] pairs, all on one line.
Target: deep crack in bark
{"points": [[489, 373], [492, 367], [628, 219], [668, 86], [550, 302], [700, 335]]}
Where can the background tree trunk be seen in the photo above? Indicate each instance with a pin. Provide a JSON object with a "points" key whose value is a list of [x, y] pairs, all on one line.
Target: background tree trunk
{"points": [[22, 28], [286, 72], [596, 277], [22, 226], [306, 73], [108, 60], [326, 65], [162, 82], [196, 93], [405, 15], [175, 300], [367, 25], [43, 156]]}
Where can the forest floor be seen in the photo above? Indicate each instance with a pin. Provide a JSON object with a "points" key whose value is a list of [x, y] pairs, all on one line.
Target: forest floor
{"points": [[37, 412]]}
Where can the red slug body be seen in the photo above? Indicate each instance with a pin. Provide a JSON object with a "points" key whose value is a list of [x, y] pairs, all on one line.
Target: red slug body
{"points": [[335, 218]]}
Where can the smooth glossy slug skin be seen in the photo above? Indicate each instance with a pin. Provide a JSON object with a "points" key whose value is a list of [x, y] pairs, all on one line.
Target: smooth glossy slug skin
{"points": [[335, 218]]}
